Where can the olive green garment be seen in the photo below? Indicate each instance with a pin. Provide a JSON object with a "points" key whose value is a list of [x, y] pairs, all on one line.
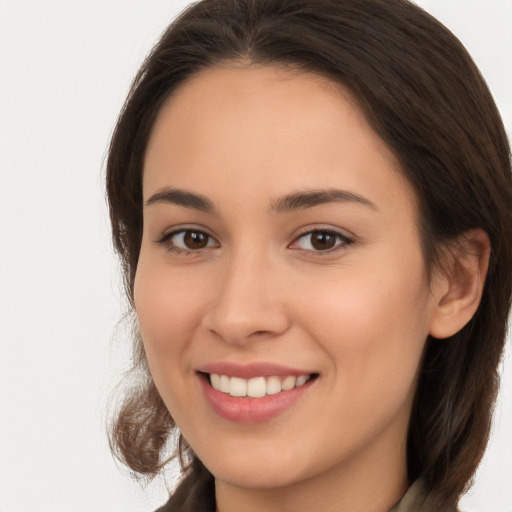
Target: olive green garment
{"points": [[413, 500]]}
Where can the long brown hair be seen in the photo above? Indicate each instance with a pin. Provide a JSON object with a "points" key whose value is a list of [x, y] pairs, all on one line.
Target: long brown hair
{"points": [[425, 98]]}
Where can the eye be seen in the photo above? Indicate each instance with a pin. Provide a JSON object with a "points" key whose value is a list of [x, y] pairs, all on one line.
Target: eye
{"points": [[188, 240], [320, 241]]}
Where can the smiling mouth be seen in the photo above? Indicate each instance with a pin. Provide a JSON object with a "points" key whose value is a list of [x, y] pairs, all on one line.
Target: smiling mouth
{"points": [[256, 387]]}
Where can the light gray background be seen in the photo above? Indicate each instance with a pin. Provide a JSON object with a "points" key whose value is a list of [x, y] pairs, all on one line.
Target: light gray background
{"points": [[65, 67]]}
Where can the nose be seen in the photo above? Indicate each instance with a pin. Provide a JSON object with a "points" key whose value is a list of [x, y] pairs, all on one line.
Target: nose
{"points": [[249, 301]]}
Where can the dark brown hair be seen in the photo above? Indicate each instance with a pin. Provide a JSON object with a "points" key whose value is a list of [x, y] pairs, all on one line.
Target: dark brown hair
{"points": [[426, 99]]}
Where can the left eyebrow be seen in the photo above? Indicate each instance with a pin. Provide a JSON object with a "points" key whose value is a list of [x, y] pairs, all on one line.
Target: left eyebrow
{"points": [[312, 198], [182, 198]]}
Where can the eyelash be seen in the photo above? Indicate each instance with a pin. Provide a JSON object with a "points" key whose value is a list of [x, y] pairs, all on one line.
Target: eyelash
{"points": [[342, 241], [166, 240]]}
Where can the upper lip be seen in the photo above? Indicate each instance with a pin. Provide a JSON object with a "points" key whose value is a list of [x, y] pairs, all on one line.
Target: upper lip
{"points": [[248, 371]]}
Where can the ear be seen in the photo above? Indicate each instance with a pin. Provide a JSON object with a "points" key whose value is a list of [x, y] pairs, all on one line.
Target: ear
{"points": [[458, 286]]}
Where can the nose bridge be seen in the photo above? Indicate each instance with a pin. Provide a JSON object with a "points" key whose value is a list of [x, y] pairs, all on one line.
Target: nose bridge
{"points": [[247, 302]]}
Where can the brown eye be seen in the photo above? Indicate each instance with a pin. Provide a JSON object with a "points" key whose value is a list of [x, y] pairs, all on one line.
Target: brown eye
{"points": [[322, 240], [318, 241], [195, 239], [189, 240]]}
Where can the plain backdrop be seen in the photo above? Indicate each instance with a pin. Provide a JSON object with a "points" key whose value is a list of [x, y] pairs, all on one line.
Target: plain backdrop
{"points": [[65, 67]]}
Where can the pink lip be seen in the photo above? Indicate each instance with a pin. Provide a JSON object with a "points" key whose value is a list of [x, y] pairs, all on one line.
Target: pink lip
{"points": [[248, 371], [251, 410]]}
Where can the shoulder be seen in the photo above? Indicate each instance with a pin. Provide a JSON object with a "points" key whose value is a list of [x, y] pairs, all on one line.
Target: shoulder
{"points": [[417, 499]]}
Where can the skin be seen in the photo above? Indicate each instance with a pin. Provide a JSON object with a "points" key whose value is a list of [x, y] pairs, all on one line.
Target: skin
{"points": [[358, 315]]}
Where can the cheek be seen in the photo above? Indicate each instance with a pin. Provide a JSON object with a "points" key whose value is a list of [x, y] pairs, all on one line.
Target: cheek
{"points": [[373, 328], [168, 307]]}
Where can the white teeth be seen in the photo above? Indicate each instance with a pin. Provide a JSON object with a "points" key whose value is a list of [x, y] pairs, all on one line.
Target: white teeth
{"points": [[257, 386], [237, 387], [224, 383], [215, 380], [301, 380], [288, 383], [273, 385]]}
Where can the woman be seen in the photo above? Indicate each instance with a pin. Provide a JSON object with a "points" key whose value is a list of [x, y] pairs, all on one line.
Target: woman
{"points": [[311, 201]]}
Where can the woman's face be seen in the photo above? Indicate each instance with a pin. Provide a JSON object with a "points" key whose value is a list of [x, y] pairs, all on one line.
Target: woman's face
{"points": [[280, 246]]}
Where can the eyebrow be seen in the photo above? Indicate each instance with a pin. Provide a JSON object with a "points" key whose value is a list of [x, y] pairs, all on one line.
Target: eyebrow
{"points": [[182, 198], [312, 198], [288, 203]]}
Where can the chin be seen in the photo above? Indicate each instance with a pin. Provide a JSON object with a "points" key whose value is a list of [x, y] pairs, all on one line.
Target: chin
{"points": [[256, 471], [256, 479]]}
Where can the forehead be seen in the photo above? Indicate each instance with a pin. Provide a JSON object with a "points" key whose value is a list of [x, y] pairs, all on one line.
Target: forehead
{"points": [[256, 128]]}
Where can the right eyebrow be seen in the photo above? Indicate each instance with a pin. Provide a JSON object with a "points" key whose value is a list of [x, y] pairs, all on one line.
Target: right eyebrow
{"points": [[182, 198], [312, 198]]}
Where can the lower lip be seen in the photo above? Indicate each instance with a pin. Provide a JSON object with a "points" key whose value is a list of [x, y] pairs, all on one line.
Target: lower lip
{"points": [[251, 410]]}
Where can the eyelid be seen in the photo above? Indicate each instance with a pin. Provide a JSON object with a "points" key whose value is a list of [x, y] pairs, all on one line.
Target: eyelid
{"points": [[172, 230], [345, 240], [167, 236]]}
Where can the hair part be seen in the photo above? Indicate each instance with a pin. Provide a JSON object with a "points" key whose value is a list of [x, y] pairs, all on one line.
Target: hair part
{"points": [[424, 96]]}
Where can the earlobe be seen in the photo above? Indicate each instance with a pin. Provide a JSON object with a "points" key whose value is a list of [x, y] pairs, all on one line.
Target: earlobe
{"points": [[459, 285]]}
